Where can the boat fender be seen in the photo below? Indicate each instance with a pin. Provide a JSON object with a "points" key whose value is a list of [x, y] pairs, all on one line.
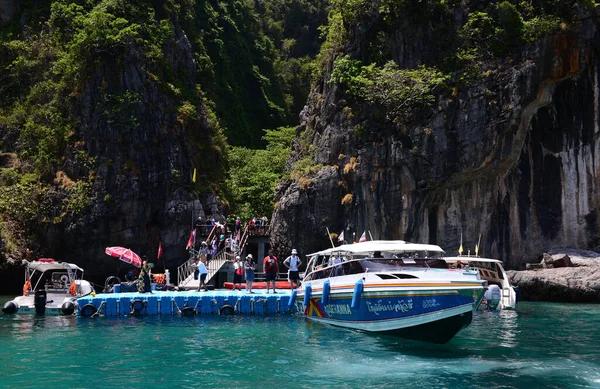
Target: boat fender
{"points": [[188, 311], [67, 308], [307, 293], [358, 289], [292, 300], [10, 307], [88, 310], [137, 306], [326, 291], [226, 310]]}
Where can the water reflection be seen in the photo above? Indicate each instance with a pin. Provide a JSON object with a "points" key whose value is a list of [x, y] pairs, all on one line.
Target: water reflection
{"points": [[508, 330]]}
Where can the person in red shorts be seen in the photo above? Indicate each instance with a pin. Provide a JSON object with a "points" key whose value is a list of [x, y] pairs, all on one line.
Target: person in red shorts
{"points": [[271, 268]]}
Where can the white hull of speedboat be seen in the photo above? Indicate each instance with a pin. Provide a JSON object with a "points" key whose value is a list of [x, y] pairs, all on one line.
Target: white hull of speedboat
{"points": [[55, 305]]}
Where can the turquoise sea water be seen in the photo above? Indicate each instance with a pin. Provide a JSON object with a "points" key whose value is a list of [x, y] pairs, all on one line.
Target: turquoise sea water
{"points": [[541, 345]]}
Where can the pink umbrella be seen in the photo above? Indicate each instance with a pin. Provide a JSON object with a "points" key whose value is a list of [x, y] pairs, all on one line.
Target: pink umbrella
{"points": [[125, 255]]}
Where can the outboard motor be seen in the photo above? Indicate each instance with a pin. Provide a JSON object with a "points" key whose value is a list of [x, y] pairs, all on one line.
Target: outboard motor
{"points": [[40, 302], [10, 307], [492, 295]]}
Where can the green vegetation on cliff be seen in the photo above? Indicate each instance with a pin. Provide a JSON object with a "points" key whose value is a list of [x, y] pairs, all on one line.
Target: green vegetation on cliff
{"points": [[255, 173], [249, 70], [399, 54]]}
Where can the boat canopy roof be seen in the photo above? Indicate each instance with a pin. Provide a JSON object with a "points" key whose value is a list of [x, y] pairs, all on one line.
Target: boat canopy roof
{"points": [[470, 259], [45, 265], [388, 246]]}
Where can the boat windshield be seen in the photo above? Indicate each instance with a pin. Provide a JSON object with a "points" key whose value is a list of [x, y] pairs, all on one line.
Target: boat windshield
{"points": [[323, 267]]}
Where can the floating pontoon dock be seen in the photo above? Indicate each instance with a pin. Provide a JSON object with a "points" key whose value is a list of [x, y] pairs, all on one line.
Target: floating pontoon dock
{"points": [[213, 302]]}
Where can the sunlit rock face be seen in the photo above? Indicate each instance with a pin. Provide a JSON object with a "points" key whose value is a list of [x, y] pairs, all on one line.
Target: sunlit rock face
{"points": [[512, 158], [579, 282]]}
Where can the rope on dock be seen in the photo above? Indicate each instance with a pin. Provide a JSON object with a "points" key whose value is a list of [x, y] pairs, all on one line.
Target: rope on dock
{"points": [[99, 309]]}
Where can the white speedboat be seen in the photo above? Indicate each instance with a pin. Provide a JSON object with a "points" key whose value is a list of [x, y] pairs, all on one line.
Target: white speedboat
{"points": [[50, 288], [500, 294], [394, 287]]}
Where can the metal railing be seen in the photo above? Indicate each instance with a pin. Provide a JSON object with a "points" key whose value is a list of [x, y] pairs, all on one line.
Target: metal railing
{"points": [[186, 270], [216, 263]]}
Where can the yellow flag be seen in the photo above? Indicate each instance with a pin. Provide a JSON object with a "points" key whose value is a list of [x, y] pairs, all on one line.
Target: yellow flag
{"points": [[476, 249], [194, 176], [460, 250]]}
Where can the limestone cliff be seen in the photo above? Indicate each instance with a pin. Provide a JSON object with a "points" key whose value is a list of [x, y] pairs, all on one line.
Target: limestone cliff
{"points": [[513, 156], [132, 140]]}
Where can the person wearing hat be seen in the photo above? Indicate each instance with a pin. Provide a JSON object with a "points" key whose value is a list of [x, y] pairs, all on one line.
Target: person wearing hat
{"points": [[293, 263], [237, 274], [249, 266]]}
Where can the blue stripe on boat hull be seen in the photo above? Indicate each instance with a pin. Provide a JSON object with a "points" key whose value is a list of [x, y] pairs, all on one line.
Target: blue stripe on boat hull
{"points": [[433, 316], [439, 331]]}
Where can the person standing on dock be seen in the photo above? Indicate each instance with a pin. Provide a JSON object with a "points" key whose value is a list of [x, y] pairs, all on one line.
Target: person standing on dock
{"points": [[293, 262], [271, 268], [203, 273], [238, 273], [144, 284], [249, 266]]}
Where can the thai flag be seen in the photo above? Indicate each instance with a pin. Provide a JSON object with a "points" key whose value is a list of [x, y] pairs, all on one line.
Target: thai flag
{"points": [[190, 242]]}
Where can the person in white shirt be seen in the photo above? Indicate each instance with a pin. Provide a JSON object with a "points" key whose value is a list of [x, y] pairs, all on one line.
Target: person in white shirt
{"points": [[293, 262], [203, 273], [238, 274]]}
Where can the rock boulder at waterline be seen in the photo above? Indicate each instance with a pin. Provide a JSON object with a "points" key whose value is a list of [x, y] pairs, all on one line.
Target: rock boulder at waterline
{"points": [[580, 283]]}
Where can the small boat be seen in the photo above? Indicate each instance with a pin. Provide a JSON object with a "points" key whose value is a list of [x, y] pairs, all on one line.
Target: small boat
{"points": [[260, 285], [500, 294], [51, 288], [391, 287]]}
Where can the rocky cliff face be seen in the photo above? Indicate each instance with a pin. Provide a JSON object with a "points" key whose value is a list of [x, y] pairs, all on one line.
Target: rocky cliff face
{"points": [[144, 163], [138, 149], [8, 9], [513, 157]]}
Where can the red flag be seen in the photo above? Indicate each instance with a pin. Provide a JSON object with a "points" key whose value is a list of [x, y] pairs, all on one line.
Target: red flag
{"points": [[190, 242], [363, 237], [159, 250]]}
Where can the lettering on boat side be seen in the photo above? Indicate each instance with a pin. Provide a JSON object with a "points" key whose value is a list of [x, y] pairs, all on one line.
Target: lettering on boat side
{"points": [[379, 306], [338, 309], [430, 303]]}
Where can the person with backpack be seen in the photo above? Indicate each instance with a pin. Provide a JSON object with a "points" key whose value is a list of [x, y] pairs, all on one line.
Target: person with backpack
{"points": [[271, 268], [203, 270]]}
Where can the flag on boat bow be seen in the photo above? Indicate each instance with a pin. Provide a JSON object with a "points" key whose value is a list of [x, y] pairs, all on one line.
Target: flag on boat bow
{"points": [[341, 237], [363, 237]]}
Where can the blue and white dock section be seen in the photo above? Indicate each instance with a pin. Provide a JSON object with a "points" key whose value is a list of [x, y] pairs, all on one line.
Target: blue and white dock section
{"points": [[215, 302]]}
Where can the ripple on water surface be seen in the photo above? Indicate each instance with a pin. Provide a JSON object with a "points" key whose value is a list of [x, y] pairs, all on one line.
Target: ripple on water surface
{"points": [[539, 345]]}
